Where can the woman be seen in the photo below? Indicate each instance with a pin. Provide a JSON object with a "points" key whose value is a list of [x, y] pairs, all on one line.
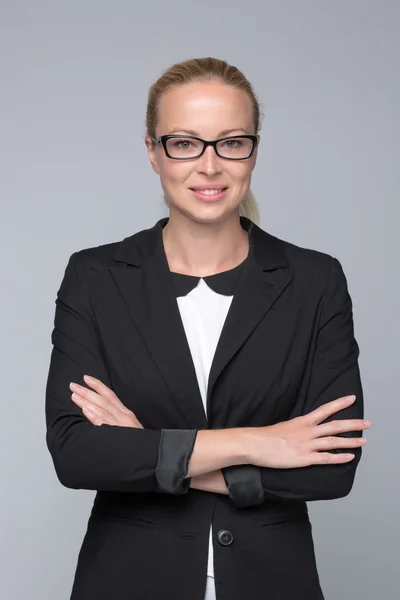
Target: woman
{"points": [[210, 366]]}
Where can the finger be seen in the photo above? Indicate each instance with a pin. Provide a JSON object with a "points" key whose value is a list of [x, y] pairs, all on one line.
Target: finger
{"points": [[328, 458], [94, 398], [330, 442], [340, 426], [105, 391], [100, 413], [92, 416], [330, 408]]}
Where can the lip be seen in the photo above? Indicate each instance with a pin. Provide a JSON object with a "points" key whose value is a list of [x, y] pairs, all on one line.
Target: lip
{"points": [[207, 197], [215, 186]]}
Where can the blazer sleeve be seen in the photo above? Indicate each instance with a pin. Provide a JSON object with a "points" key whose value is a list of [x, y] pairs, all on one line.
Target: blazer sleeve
{"points": [[334, 373], [244, 483], [105, 457]]}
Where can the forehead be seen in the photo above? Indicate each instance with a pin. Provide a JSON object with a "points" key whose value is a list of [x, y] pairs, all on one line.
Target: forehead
{"points": [[204, 107]]}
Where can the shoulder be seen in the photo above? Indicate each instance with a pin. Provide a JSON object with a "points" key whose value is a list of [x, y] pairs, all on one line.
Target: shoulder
{"points": [[305, 257], [127, 248], [101, 254], [314, 268], [134, 249], [326, 274], [299, 257]]}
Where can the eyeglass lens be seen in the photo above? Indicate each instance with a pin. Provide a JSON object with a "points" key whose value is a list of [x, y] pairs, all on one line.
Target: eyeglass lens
{"points": [[189, 148]]}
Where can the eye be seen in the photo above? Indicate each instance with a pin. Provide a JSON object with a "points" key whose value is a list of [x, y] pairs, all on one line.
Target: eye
{"points": [[233, 143], [183, 144]]}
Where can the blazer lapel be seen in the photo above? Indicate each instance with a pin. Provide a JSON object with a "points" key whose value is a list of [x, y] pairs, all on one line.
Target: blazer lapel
{"points": [[264, 278], [147, 289], [141, 272]]}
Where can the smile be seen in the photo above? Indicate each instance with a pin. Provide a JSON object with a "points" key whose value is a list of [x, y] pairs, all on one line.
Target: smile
{"points": [[209, 194]]}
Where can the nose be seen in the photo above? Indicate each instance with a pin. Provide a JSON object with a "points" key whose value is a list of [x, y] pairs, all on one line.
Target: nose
{"points": [[209, 162]]}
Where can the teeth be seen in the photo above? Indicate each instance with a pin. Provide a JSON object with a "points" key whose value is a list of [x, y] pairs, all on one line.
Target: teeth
{"points": [[209, 192]]}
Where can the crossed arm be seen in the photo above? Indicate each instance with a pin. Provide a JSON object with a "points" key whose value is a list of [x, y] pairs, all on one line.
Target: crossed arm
{"points": [[139, 460], [100, 405], [210, 482]]}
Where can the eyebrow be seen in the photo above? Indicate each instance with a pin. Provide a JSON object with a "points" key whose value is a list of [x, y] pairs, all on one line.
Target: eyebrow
{"points": [[221, 133]]}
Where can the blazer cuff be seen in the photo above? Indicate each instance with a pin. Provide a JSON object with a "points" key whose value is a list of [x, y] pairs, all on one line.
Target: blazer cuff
{"points": [[244, 485], [174, 452]]}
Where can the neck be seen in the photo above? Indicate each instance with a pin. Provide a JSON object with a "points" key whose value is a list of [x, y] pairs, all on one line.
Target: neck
{"points": [[201, 249]]}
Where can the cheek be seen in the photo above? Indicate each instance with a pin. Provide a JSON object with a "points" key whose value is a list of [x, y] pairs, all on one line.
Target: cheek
{"points": [[240, 173], [174, 173]]}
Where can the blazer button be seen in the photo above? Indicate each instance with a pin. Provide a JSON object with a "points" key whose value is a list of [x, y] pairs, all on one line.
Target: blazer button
{"points": [[225, 537]]}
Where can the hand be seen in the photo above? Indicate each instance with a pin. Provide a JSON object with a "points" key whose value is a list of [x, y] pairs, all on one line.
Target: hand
{"points": [[298, 442], [102, 405]]}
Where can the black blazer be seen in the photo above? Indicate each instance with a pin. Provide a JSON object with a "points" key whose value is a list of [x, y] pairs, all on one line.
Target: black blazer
{"points": [[287, 346]]}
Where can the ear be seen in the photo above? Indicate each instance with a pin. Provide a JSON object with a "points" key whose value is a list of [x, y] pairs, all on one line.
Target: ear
{"points": [[151, 149]]}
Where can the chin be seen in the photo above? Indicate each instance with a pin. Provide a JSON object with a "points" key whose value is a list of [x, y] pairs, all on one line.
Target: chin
{"points": [[209, 213]]}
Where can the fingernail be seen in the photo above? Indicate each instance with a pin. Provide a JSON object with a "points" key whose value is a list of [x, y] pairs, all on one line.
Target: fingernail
{"points": [[88, 377], [351, 397]]}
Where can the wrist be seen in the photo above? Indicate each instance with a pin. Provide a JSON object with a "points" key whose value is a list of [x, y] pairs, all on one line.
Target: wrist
{"points": [[249, 441], [210, 482], [244, 444], [215, 449]]}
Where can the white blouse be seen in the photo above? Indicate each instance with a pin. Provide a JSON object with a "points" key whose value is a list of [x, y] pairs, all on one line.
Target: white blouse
{"points": [[204, 304]]}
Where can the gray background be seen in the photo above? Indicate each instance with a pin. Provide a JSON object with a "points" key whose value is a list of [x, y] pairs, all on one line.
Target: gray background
{"points": [[75, 173]]}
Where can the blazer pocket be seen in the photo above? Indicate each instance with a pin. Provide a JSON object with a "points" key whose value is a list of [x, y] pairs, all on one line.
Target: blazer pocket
{"points": [[288, 521], [131, 521]]}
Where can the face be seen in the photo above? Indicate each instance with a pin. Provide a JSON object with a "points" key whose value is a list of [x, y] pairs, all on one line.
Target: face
{"points": [[207, 110]]}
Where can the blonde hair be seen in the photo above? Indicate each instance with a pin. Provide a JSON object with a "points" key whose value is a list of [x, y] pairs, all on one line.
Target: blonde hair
{"points": [[205, 69]]}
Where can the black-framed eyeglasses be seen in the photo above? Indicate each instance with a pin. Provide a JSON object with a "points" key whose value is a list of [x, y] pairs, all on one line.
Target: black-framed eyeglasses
{"points": [[184, 147]]}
